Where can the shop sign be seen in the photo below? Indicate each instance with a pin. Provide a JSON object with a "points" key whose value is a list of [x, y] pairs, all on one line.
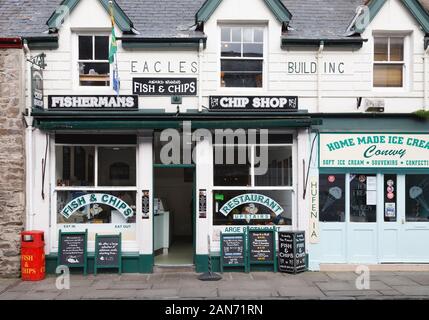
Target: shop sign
{"points": [[314, 210], [165, 86], [257, 103], [94, 102], [374, 150], [97, 198], [37, 88], [164, 66], [252, 209]]}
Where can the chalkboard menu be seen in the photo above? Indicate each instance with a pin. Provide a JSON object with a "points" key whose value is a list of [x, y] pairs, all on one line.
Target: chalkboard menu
{"points": [[108, 252], [262, 247], [72, 249], [233, 252], [292, 252]]}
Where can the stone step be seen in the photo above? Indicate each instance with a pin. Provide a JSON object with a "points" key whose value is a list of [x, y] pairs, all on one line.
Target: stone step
{"points": [[173, 268]]}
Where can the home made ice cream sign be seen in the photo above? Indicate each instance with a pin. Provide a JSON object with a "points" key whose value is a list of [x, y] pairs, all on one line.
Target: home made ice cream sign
{"points": [[374, 150]]}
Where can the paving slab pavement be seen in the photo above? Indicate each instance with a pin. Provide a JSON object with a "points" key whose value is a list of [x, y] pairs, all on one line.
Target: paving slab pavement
{"points": [[248, 286]]}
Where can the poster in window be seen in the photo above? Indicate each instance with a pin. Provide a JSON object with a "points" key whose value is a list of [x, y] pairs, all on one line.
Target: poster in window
{"points": [[332, 197], [362, 206], [417, 198]]}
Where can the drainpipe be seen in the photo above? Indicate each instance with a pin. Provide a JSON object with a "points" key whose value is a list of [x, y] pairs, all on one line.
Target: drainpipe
{"points": [[319, 75], [425, 77], [200, 72], [28, 140]]}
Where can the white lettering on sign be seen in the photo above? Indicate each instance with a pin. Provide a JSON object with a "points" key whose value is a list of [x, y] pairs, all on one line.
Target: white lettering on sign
{"points": [[56, 102], [97, 198], [251, 198], [374, 150], [314, 210]]}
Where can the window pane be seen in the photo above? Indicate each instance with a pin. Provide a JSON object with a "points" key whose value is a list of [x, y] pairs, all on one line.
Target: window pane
{"points": [[417, 198], [390, 195], [363, 198], [74, 166], [225, 34], [231, 166], [258, 35], [236, 34], [94, 74], [279, 171], [388, 75], [250, 207], [253, 50], [85, 48], [241, 73], [332, 206], [381, 49], [231, 49], [117, 166], [396, 49], [82, 207], [101, 48], [247, 35]]}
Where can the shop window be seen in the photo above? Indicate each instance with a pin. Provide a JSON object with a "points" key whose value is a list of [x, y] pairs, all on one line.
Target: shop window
{"points": [[90, 191], [94, 67], [417, 198], [389, 61], [232, 171], [279, 171], [332, 197], [363, 198], [390, 196], [242, 56], [255, 207]]}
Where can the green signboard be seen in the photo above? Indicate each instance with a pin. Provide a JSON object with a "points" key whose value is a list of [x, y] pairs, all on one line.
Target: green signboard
{"points": [[108, 252], [72, 250]]}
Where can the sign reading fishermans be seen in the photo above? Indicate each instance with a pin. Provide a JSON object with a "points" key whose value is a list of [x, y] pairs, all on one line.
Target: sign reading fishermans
{"points": [[93, 102]]}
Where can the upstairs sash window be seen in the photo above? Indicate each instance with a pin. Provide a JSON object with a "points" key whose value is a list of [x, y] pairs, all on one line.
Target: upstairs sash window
{"points": [[94, 67], [389, 62]]}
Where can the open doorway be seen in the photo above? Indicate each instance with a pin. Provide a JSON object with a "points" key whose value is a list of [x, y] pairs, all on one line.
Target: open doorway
{"points": [[174, 216]]}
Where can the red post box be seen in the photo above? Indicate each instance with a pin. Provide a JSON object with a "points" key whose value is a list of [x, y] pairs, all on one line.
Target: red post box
{"points": [[32, 256]]}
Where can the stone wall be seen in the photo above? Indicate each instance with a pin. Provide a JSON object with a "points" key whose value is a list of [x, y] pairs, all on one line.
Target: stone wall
{"points": [[12, 161]]}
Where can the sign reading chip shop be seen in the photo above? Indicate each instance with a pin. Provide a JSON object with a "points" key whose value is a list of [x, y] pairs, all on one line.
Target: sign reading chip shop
{"points": [[341, 150], [97, 198], [253, 208]]}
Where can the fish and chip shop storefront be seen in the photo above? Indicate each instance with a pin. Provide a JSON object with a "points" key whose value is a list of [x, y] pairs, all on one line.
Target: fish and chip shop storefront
{"points": [[369, 203], [117, 172]]}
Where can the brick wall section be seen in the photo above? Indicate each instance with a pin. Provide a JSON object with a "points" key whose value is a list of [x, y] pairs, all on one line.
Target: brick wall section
{"points": [[12, 161]]}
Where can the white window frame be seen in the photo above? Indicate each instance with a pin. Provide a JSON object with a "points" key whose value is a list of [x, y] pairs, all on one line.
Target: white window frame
{"points": [[128, 246], [264, 59], [406, 69], [75, 64]]}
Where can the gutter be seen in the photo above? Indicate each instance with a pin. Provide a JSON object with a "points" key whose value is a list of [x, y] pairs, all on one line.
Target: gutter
{"points": [[154, 42], [425, 78], [10, 43], [350, 42], [200, 74], [319, 57]]}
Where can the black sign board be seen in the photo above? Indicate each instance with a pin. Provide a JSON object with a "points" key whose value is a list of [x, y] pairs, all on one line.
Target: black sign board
{"points": [[258, 103], [145, 204], [165, 86], [108, 253], [95, 102], [261, 246], [233, 250], [37, 88], [292, 252], [202, 201], [72, 249]]}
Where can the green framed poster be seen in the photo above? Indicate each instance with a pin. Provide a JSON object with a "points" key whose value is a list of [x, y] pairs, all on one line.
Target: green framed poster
{"points": [[261, 247], [72, 250], [108, 252], [233, 251]]}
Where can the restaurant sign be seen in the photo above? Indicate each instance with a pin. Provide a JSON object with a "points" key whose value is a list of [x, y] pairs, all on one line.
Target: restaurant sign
{"points": [[340, 150], [97, 198], [93, 102], [165, 86], [258, 103]]}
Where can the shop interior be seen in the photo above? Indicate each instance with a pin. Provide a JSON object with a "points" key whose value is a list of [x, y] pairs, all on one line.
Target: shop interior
{"points": [[173, 216]]}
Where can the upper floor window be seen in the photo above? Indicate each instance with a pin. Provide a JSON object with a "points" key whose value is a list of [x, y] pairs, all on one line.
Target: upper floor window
{"points": [[94, 67], [242, 57], [389, 61]]}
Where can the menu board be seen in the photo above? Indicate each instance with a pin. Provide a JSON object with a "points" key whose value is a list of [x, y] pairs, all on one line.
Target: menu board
{"points": [[72, 249], [261, 246], [108, 251], [233, 253], [292, 252]]}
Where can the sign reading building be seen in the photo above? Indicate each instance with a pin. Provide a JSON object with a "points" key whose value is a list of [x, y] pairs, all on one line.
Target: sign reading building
{"points": [[165, 86], [257, 103], [93, 102], [374, 150]]}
